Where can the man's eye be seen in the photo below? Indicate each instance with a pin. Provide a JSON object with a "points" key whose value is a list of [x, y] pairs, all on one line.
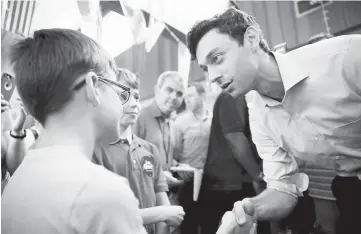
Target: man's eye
{"points": [[179, 94], [216, 58], [169, 90]]}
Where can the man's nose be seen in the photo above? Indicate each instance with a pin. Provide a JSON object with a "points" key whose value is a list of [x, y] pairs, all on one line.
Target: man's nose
{"points": [[214, 77]]}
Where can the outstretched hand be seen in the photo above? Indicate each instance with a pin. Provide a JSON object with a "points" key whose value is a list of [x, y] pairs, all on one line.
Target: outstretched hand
{"points": [[240, 220]]}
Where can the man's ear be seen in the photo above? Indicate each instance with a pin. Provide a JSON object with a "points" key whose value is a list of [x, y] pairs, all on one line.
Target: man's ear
{"points": [[156, 88], [92, 91], [252, 38]]}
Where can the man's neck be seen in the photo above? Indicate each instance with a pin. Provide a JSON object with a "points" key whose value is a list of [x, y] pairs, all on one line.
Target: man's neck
{"points": [[127, 133], [269, 82], [75, 135]]}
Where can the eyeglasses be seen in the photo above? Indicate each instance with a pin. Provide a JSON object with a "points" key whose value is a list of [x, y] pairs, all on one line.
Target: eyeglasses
{"points": [[122, 91]]}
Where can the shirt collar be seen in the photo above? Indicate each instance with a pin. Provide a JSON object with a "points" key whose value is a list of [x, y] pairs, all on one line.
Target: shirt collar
{"points": [[291, 72], [134, 142], [137, 142], [125, 135]]}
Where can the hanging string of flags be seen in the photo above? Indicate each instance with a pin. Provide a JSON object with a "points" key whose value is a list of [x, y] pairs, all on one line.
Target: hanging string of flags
{"points": [[91, 19], [24, 17]]}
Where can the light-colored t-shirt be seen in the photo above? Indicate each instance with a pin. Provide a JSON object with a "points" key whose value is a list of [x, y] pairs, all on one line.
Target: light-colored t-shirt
{"points": [[59, 190], [191, 137]]}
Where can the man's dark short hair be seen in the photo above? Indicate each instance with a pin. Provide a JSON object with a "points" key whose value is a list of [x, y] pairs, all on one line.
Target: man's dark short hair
{"points": [[199, 87], [232, 22], [128, 77], [47, 65]]}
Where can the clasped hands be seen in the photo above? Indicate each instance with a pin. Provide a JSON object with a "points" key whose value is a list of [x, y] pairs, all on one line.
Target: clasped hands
{"points": [[241, 220]]}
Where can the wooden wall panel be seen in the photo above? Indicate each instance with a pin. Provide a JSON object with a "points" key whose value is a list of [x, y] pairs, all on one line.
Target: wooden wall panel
{"points": [[274, 22], [280, 24], [261, 18], [352, 13], [246, 6], [288, 22]]}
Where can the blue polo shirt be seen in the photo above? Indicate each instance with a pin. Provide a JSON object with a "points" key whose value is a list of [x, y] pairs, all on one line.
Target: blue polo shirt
{"points": [[139, 162]]}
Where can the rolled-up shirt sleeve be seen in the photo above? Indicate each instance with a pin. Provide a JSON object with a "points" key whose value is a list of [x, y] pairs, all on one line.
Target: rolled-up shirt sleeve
{"points": [[280, 168]]}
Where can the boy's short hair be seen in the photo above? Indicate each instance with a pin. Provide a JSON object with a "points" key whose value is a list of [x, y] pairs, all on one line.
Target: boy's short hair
{"points": [[199, 87], [128, 77], [47, 65]]}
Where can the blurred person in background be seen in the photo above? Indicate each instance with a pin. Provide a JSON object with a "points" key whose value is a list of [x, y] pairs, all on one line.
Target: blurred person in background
{"points": [[155, 123], [232, 171], [307, 105], [191, 130], [139, 162], [67, 82]]}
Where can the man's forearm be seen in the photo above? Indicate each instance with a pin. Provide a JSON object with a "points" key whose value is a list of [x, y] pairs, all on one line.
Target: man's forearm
{"points": [[152, 215], [243, 153], [273, 205]]}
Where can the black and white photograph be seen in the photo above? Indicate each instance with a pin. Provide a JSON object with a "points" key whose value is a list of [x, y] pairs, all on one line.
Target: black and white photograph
{"points": [[180, 117]]}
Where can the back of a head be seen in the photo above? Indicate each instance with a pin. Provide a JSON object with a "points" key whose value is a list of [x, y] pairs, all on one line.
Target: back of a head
{"points": [[232, 22], [173, 75], [47, 65], [129, 78]]}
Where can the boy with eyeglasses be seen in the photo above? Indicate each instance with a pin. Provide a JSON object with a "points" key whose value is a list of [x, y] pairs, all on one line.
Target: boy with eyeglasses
{"points": [[67, 82], [139, 161]]}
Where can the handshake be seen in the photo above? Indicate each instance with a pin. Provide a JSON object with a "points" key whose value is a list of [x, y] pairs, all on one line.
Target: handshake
{"points": [[241, 220]]}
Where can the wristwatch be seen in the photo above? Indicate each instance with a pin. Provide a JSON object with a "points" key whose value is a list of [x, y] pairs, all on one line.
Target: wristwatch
{"points": [[22, 136]]}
